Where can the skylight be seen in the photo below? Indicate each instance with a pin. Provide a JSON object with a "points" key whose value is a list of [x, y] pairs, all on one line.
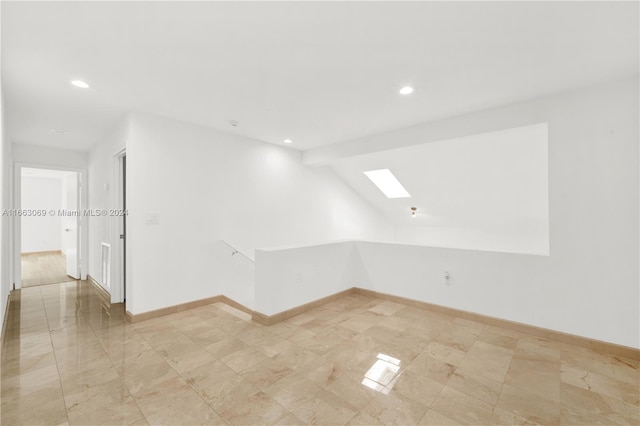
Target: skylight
{"points": [[387, 183]]}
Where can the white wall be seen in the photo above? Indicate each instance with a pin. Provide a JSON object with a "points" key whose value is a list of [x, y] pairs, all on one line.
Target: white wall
{"points": [[588, 286], [508, 286], [103, 170], [205, 186], [236, 271], [6, 231], [40, 155], [481, 192], [290, 277], [41, 233]]}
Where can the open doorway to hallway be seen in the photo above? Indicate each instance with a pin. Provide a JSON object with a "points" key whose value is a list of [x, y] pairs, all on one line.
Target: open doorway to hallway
{"points": [[50, 226]]}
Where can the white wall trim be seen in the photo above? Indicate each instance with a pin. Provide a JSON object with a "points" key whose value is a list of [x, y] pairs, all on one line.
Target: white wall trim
{"points": [[117, 284]]}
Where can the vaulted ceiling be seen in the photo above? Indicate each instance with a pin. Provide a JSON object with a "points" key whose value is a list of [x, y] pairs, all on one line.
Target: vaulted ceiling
{"points": [[315, 72]]}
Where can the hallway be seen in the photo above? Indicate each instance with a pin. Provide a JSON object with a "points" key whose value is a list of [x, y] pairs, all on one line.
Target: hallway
{"points": [[69, 357], [44, 268]]}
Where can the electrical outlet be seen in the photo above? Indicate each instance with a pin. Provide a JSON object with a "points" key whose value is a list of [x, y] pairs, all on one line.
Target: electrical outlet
{"points": [[447, 278], [299, 278]]}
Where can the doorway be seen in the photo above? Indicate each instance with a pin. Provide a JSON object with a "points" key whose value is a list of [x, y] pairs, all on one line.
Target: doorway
{"points": [[48, 226], [123, 236], [120, 259]]}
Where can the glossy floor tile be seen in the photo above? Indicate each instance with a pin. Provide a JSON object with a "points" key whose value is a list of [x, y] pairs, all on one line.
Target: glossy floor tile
{"points": [[69, 358]]}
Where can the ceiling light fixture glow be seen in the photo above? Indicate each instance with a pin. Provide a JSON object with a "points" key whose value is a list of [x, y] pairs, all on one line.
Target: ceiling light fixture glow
{"points": [[81, 84], [287, 141], [387, 183], [406, 90]]}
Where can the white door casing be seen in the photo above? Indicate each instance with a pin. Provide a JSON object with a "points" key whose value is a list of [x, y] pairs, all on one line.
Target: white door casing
{"points": [[70, 225]]}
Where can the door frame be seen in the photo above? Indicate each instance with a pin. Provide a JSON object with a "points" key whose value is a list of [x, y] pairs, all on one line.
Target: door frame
{"points": [[83, 234], [117, 248]]}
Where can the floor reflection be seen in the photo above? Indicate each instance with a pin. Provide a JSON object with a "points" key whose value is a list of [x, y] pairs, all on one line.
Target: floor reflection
{"points": [[382, 373]]}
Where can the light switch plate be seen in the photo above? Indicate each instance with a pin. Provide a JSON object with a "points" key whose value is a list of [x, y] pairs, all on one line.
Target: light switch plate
{"points": [[153, 219]]}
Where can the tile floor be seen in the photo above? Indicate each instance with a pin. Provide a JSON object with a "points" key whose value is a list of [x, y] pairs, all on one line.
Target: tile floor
{"points": [[68, 358]]}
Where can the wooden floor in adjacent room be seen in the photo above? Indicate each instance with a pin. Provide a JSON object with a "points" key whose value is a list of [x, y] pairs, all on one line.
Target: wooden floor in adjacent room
{"points": [[47, 267], [69, 357]]}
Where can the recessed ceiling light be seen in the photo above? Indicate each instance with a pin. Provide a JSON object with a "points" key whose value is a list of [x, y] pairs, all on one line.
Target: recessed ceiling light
{"points": [[287, 141], [57, 131], [406, 90], [81, 84], [387, 183]]}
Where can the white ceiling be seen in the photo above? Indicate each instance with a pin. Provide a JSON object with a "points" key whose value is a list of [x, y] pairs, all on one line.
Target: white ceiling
{"points": [[316, 72]]}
